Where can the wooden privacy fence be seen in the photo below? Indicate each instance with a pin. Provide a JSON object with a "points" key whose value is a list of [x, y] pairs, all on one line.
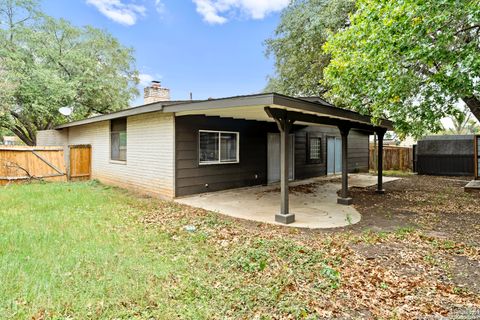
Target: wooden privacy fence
{"points": [[21, 163], [18, 163], [394, 158], [80, 162]]}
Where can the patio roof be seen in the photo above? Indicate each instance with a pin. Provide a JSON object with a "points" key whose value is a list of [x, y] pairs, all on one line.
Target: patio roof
{"points": [[250, 107]]}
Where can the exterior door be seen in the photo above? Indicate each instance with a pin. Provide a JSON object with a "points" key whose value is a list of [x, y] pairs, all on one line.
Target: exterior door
{"points": [[334, 155], [477, 157], [273, 157]]}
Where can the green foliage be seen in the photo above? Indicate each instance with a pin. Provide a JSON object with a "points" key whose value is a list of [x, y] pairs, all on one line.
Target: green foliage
{"points": [[409, 60], [463, 123], [253, 260], [297, 45], [4, 132], [404, 231], [48, 63], [332, 276]]}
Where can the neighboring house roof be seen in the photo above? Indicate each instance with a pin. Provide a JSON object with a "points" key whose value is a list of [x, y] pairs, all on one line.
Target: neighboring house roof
{"points": [[245, 107]]}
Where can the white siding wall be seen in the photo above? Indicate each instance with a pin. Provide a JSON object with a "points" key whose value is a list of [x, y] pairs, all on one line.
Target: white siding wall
{"points": [[56, 138], [150, 153]]}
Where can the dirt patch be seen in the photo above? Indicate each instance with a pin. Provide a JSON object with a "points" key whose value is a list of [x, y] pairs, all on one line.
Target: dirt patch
{"points": [[391, 255], [432, 204], [307, 188], [466, 273]]}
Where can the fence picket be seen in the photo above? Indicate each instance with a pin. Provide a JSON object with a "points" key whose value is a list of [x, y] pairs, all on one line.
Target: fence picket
{"points": [[394, 158], [25, 163]]}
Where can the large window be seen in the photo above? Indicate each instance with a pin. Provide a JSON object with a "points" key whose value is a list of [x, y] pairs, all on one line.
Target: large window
{"points": [[314, 149], [118, 139], [218, 147]]}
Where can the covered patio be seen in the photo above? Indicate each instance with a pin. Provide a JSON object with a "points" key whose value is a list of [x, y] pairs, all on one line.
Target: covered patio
{"points": [[286, 112]]}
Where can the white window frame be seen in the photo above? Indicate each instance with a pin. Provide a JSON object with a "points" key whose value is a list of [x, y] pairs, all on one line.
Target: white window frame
{"points": [[319, 139], [113, 161], [203, 163]]}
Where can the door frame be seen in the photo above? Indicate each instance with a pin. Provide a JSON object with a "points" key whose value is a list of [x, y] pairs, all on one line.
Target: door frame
{"points": [[292, 150], [334, 154]]}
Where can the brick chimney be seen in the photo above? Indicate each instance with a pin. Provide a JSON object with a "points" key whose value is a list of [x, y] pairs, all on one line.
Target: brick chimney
{"points": [[155, 93]]}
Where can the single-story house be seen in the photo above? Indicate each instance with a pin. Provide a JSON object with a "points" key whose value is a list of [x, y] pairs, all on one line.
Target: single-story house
{"points": [[177, 148]]}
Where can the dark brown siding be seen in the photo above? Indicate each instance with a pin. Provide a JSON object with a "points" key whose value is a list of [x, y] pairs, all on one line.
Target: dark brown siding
{"points": [[191, 178], [304, 169], [357, 151], [358, 144]]}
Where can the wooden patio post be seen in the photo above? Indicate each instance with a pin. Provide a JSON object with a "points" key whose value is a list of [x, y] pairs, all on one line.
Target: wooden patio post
{"points": [[284, 125], [344, 199], [381, 134]]}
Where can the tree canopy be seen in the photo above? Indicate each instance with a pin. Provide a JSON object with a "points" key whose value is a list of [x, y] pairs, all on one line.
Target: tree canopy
{"points": [[463, 123], [408, 60], [48, 63], [297, 45]]}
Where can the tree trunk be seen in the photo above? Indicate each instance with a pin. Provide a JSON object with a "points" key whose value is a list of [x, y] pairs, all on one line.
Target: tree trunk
{"points": [[24, 129], [474, 105], [25, 138]]}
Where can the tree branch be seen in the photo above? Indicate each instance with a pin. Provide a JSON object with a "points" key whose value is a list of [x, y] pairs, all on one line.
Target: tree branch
{"points": [[473, 104], [468, 28], [22, 135]]}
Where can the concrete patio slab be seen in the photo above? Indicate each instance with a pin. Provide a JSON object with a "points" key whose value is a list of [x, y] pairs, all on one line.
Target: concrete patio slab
{"points": [[313, 201], [473, 186]]}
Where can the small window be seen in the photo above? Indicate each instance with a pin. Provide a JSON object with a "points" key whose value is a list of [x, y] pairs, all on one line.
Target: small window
{"points": [[314, 149], [218, 147], [118, 139]]}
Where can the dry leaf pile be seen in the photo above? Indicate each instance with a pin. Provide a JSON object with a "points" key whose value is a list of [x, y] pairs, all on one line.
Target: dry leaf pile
{"points": [[258, 270]]}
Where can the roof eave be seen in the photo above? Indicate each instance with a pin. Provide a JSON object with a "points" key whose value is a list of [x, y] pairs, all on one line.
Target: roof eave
{"points": [[265, 99]]}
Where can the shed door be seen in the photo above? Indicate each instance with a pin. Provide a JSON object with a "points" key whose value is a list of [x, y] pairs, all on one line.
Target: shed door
{"points": [[273, 157], [334, 155]]}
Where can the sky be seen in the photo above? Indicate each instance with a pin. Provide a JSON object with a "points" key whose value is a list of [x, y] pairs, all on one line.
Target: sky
{"points": [[212, 48]]}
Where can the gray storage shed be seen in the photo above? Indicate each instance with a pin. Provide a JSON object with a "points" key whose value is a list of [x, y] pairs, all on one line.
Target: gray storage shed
{"points": [[446, 155]]}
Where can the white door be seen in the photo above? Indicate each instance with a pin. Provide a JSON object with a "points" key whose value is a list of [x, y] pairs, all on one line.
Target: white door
{"points": [[334, 155], [273, 157]]}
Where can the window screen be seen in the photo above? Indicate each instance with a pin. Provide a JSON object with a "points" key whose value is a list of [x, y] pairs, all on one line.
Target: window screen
{"points": [[118, 139], [209, 150], [218, 147]]}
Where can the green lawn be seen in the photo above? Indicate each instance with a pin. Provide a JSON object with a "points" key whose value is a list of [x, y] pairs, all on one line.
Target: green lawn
{"points": [[80, 250], [87, 251], [84, 250]]}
